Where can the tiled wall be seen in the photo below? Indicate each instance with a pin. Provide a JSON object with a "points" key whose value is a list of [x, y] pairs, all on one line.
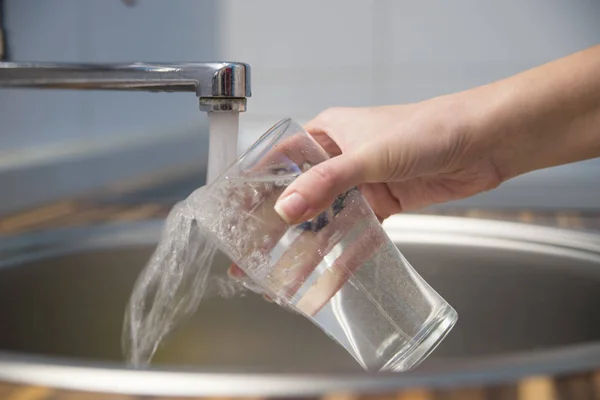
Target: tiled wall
{"points": [[104, 31], [312, 54], [306, 56]]}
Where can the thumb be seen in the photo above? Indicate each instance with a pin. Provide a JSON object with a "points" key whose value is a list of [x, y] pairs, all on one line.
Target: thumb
{"points": [[316, 189]]}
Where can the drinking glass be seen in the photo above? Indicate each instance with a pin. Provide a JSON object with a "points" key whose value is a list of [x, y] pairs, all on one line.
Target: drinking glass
{"points": [[340, 270]]}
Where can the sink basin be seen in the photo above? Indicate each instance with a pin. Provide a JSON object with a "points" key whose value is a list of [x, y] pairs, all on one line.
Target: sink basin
{"points": [[527, 299]]}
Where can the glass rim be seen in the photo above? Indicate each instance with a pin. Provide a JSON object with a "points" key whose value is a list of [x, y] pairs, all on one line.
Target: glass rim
{"points": [[279, 128], [282, 123]]}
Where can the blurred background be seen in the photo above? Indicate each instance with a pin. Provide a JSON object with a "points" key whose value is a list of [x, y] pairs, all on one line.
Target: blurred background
{"points": [[305, 56]]}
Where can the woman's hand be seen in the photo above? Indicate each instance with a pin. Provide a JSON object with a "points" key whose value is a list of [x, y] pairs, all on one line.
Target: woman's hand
{"points": [[402, 157], [410, 156], [406, 157]]}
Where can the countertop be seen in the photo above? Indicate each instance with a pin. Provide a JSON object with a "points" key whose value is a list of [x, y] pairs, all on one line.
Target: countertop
{"points": [[154, 198]]}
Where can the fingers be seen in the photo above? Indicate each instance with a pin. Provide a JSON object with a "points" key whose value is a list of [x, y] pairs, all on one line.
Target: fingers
{"points": [[317, 130], [235, 272], [331, 281], [290, 153], [316, 189], [310, 249], [381, 200], [306, 249], [238, 275]]}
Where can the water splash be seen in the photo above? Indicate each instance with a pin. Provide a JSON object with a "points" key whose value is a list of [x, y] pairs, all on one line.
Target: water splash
{"points": [[178, 275]]}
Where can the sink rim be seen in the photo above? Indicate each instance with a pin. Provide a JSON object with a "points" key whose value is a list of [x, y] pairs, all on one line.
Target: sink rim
{"points": [[117, 378]]}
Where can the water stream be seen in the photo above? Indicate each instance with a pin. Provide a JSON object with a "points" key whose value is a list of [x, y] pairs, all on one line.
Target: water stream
{"points": [[177, 276], [223, 131]]}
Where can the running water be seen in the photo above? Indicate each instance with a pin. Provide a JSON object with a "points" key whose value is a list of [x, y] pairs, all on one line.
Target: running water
{"points": [[223, 131], [177, 276], [339, 269], [307, 272]]}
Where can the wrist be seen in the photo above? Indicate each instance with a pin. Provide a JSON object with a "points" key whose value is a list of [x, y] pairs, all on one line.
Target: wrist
{"points": [[507, 126], [543, 117], [479, 116]]}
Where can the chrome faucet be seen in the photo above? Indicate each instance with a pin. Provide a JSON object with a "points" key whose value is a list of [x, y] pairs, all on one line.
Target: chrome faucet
{"points": [[220, 86]]}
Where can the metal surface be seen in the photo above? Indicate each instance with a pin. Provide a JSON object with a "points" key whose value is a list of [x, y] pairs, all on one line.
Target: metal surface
{"points": [[527, 299], [221, 86]]}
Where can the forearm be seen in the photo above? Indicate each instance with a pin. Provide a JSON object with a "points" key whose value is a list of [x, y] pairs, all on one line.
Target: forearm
{"points": [[547, 116]]}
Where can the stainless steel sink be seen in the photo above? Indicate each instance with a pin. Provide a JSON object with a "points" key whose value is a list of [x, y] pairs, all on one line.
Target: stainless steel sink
{"points": [[527, 299]]}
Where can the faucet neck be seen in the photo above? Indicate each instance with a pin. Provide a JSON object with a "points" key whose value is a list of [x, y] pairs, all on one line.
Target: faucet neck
{"points": [[221, 86]]}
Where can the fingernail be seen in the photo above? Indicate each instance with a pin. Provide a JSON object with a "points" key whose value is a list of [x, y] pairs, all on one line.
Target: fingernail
{"points": [[235, 272], [292, 207], [267, 298]]}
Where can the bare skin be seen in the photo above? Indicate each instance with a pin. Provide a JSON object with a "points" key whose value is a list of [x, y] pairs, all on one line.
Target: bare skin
{"points": [[406, 157]]}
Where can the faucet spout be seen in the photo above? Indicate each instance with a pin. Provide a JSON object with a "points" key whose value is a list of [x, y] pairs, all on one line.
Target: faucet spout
{"points": [[220, 86]]}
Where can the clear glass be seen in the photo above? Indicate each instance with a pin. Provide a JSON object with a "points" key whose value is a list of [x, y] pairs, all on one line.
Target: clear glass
{"points": [[340, 270]]}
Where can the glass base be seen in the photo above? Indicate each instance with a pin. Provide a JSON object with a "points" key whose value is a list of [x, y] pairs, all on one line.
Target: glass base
{"points": [[432, 334]]}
